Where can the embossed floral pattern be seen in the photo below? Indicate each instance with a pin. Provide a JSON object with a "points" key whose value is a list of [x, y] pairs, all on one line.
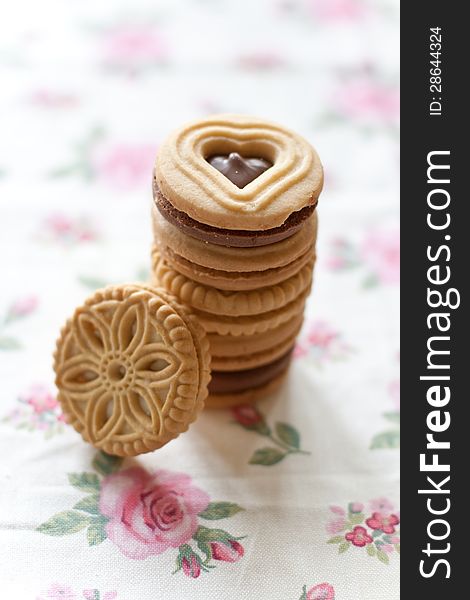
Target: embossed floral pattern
{"points": [[145, 514], [378, 533], [38, 410], [115, 351], [285, 437]]}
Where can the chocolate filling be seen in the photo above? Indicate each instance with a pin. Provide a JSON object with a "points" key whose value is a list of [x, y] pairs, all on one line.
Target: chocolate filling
{"points": [[238, 169], [231, 382], [229, 237]]}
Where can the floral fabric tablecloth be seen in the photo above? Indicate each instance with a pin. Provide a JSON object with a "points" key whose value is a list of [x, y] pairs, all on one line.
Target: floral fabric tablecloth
{"points": [[296, 497]]}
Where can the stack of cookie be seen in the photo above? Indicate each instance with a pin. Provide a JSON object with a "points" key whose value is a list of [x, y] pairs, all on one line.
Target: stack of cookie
{"points": [[235, 227]]}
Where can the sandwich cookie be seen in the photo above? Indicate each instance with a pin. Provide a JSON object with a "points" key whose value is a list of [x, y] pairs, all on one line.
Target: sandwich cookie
{"points": [[230, 280], [224, 258], [236, 303], [240, 387], [237, 172]]}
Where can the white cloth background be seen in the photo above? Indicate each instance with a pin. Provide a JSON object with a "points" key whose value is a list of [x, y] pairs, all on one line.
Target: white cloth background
{"points": [[88, 91]]}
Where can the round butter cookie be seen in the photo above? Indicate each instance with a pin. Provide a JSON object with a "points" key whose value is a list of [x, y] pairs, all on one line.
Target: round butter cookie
{"points": [[132, 369]]}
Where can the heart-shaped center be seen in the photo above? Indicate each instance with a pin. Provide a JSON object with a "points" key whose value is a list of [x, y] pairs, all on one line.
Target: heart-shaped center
{"points": [[239, 169]]}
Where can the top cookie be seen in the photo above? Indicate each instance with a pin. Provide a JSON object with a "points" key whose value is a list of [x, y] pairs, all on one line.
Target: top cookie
{"points": [[186, 178]]}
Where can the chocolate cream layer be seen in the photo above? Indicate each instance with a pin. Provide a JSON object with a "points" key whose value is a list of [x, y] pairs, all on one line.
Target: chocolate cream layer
{"points": [[231, 382], [229, 237]]}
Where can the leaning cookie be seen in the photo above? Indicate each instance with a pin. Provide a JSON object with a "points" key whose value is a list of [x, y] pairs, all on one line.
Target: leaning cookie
{"points": [[235, 303], [132, 371]]}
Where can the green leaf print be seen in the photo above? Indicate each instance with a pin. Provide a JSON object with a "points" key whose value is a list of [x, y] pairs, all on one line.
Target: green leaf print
{"points": [[89, 504], [106, 464], [86, 482], [220, 510], [386, 439], [267, 457], [96, 533], [64, 523], [288, 434]]}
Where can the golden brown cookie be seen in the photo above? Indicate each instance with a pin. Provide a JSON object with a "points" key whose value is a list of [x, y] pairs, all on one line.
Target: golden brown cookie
{"points": [[238, 260], [232, 281], [132, 369], [253, 360], [240, 345], [251, 324], [195, 187], [228, 303]]}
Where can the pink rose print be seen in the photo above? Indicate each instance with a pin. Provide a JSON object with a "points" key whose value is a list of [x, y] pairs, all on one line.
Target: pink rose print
{"points": [[60, 592], [335, 526], [40, 399], [382, 505], [322, 591], [150, 513], [394, 389], [321, 342], [191, 566], [382, 522], [123, 165], [367, 99], [351, 529], [120, 164], [261, 61], [133, 48], [19, 309], [145, 514], [230, 552], [338, 510], [358, 536], [52, 99], [248, 416], [380, 251], [64, 229], [38, 410], [22, 307], [378, 254], [336, 10]]}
